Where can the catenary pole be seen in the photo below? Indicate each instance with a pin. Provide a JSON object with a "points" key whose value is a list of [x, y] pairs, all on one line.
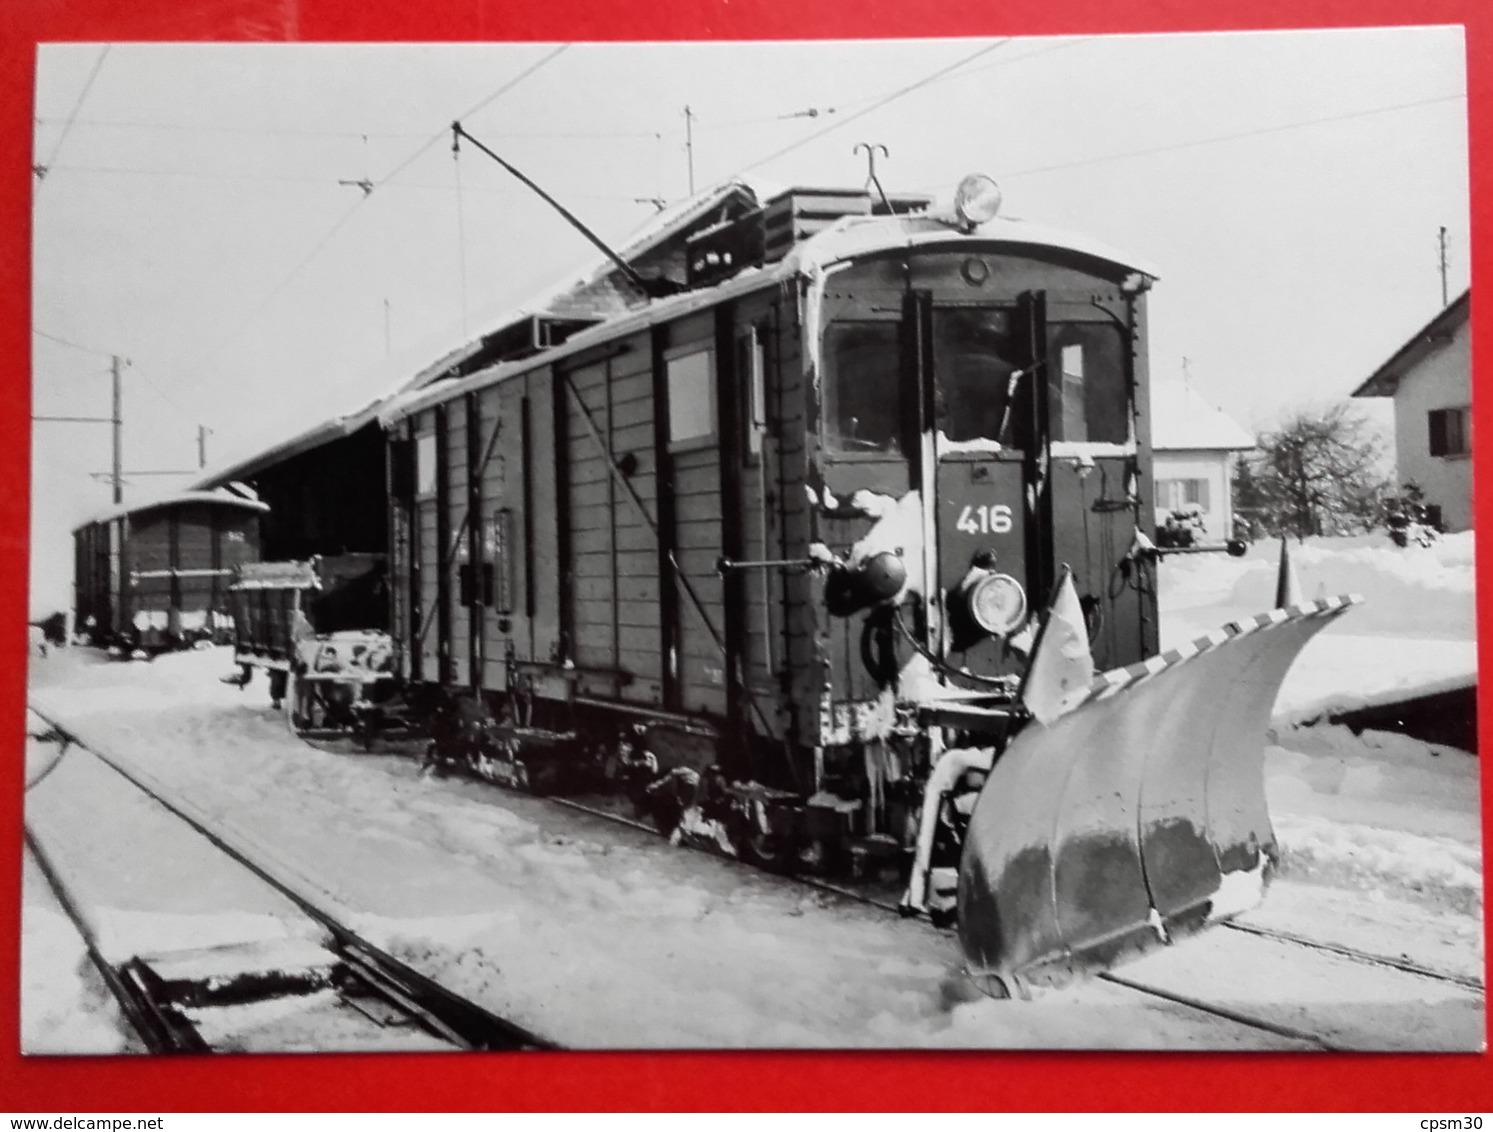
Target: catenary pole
{"points": [[1441, 240], [117, 420]]}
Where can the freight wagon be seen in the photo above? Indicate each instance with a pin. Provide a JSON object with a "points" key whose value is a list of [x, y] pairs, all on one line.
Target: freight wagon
{"points": [[154, 576]]}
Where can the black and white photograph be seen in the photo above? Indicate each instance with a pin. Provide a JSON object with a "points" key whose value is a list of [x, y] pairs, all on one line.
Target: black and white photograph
{"points": [[896, 544]]}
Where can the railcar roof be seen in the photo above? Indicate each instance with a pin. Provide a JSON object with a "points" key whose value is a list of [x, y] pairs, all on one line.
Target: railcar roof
{"points": [[215, 498], [335, 428], [848, 238]]}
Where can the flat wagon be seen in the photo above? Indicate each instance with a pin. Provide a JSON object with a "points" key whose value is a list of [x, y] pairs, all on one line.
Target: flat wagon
{"points": [[154, 576]]}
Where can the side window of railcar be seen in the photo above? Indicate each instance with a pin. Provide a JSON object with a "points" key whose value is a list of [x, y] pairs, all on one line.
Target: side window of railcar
{"points": [[862, 405], [425, 464], [1088, 398], [691, 397], [973, 358]]}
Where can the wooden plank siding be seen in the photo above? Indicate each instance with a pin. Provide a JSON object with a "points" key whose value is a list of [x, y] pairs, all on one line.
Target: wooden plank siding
{"points": [[428, 556], [544, 490], [696, 536], [502, 407], [614, 558], [634, 600], [457, 642], [400, 561]]}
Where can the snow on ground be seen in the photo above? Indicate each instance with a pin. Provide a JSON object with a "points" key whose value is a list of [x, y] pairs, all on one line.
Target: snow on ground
{"points": [[1344, 1003], [1415, 631], [596, 935], [589, 933], [167, 891], [65, 1006]]}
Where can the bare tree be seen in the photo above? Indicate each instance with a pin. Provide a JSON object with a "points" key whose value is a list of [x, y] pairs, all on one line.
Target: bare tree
{"points": [[1321, 474]]}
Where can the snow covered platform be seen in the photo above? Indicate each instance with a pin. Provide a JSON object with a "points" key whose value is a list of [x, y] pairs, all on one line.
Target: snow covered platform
{"points": [[1413, 638], [597, 935]]}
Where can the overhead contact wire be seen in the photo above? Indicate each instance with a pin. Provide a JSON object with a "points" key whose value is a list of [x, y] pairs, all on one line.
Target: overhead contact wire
{"points": [[73, 114], [306, 260], [877, 105]]}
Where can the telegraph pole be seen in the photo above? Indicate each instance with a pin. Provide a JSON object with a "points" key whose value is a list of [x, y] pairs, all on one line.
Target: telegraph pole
{"points": [[115, 420], [118, 423], [1441, 239], [689, 146]]}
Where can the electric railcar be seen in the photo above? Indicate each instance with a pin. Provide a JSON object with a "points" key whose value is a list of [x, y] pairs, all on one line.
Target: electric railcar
{"points": [[786, 527]]}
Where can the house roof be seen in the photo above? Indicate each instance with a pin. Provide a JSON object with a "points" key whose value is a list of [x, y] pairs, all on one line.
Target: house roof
{"points": [[1182, 419], [1385, 381]]}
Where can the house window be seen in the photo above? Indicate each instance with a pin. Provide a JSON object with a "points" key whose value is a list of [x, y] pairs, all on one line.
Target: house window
{"points": [[691, 397], [1173, 495], [1451, 431]]}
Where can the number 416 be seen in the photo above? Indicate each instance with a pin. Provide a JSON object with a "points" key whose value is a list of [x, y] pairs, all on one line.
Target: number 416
{"points": [[985, 519]]}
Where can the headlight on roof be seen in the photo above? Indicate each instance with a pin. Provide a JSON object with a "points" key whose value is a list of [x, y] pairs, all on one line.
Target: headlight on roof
{"points": [[976, 200]]}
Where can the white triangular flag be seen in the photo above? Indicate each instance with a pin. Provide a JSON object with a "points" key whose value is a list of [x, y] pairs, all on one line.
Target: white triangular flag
{"points": [[1062, 668]]}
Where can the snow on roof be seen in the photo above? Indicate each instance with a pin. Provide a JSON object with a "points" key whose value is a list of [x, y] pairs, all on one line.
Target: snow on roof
{"points": [[655, 230], [848, 237], [220, 498], [334, 429], [858, 235], [1385, 380], [1183, 419], [415, 367]]}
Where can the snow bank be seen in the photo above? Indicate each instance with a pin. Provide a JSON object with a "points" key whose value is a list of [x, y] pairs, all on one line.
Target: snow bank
{"points": [[1411, 591], [589, 933], [602, 936], [65, 1007], [1415, 633], [1378, 812]]}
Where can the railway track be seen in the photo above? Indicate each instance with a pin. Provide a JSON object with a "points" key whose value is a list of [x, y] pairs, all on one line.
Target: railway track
{"points": [[1358, 955], [200, 1000], [1296, 1028], [1148, 986]]}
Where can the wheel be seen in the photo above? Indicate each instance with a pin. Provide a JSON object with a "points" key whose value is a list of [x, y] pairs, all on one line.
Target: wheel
{"points": [[767, 851]]}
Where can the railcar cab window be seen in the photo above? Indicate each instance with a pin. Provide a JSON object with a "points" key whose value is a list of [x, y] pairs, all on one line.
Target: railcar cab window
{"points": [[691, 399], [1088, 397], [973, 359], [862, 405], [425, 460]]}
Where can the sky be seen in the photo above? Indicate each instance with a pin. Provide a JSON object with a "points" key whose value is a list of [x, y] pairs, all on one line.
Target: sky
{"points": [[199, 212]]}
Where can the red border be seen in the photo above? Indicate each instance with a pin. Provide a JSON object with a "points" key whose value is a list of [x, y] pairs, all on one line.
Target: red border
{"points": [[609, 1081]]}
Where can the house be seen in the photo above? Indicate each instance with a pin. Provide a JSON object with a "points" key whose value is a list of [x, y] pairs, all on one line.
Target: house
{"points": [[1195, 445], [1430, 379]]}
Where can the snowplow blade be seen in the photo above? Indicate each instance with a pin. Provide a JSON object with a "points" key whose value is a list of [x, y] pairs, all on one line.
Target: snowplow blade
{"points": [[1137, 817]]}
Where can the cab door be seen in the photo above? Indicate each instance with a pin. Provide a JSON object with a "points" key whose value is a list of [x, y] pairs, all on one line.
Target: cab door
{"points": [[983, 459]]}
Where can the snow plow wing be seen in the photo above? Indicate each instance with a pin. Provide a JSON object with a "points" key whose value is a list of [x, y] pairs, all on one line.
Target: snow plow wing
{"points": [[1137, 817]]}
